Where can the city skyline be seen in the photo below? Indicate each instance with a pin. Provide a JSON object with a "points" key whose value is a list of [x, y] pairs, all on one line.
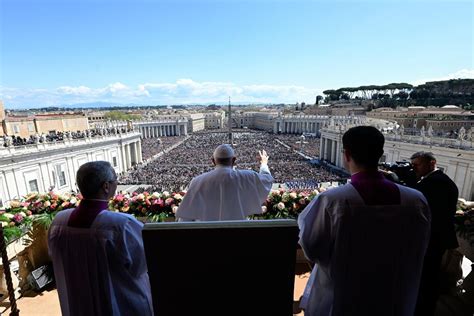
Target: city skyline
{"points": [[200, 52]]}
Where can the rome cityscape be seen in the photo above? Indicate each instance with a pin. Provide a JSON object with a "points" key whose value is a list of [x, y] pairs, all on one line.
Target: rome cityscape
{"points": [[159, 131]]}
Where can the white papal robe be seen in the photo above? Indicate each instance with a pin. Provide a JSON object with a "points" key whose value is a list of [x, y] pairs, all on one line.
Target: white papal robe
{"points": [[226, 194], [367, 263], [100, 270]]}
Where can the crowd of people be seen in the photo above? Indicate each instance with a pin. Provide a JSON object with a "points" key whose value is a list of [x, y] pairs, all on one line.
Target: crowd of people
{"points": [[307, 145], [153, 146], [173, 170], [53, 137]]}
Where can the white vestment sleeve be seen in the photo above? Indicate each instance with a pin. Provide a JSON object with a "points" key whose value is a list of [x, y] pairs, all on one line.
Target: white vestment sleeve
{"points": [[316, 230], [132, 244], [187, 208]]}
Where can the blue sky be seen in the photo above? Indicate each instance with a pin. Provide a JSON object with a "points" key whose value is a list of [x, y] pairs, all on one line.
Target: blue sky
{"points": [[173, 52]]}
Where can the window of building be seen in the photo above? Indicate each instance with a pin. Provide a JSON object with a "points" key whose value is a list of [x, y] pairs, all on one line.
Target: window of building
{"points": [[31, 128], [33, 184], [16, 129], [114, 161], [61, 175]]}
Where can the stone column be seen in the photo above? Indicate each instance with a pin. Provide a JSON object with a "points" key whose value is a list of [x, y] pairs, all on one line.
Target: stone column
{"points": [[328, 149], [333, 154], [129, 156], [322, 148], [185, 129], [139, 151], [338, 154], [124, 157]]}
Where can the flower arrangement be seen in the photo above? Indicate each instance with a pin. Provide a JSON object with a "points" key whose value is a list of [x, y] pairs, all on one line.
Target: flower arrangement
{"points": [[15, 221], [285, 204], [36, 208], [49, 202], [120, 202], [151, 206]]}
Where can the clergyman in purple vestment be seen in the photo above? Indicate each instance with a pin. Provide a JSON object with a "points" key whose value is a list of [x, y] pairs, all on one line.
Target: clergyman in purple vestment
{"points": [[367, 238], [98, 256]]}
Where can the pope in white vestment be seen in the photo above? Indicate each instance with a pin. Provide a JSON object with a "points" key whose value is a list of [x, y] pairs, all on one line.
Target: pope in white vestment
{"points": [[225, 193]]}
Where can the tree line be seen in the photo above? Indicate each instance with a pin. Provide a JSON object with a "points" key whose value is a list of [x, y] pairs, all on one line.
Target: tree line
{"points": [[455, 91]]}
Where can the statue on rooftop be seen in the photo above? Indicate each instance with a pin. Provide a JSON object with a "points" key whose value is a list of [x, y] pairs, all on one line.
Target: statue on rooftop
{"points": [[402, 130], [430, 131], [462, 133], [469, 134], [7, 140], [422, 131]]}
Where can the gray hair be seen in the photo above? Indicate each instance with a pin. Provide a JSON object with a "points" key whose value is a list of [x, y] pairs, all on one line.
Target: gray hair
{"points": [[92, 175], [425, 155]]}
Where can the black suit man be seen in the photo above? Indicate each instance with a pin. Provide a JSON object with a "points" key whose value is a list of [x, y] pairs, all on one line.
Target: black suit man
{"points": [[442, 195]]}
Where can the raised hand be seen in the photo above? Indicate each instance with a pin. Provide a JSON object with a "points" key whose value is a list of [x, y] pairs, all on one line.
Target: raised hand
{"points": [[263, 156]]}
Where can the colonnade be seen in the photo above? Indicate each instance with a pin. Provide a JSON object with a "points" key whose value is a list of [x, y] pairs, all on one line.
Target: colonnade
{"points": [[331, 149], [161, 129], [131, 154], [297, 127]]}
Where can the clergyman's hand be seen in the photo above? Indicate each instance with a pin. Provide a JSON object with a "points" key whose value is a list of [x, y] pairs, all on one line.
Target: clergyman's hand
{"points": [[263, 157]]}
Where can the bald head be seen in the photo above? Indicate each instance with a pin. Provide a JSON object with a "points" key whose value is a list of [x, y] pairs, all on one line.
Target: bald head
{"points": [[224, 155]]}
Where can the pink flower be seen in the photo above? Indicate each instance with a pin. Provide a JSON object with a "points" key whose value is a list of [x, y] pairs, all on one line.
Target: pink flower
{"points": [[119, 198], [169, 201], [17, 218]]}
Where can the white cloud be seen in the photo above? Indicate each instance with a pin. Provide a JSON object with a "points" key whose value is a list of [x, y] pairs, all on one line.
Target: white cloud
{"points": [[460, 74], [183, 91]]}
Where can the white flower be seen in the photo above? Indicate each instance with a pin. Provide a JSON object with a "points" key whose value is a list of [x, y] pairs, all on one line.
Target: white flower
{"points": [[73, 200], [8, 215], [156, 195], [264, 209], [141, 197], [293, 195], [174, 209], [178, 197], [165, 193], [22, 214], [4, 224], [281, 206], [47, 203]]}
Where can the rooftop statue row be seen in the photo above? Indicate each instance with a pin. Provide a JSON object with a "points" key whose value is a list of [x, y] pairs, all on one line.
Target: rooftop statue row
{"points": [[9, 141]]}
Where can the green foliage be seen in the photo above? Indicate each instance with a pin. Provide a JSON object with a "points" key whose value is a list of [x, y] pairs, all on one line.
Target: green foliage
{"points": [[45, 219], [121, 116], [11, 233]]}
